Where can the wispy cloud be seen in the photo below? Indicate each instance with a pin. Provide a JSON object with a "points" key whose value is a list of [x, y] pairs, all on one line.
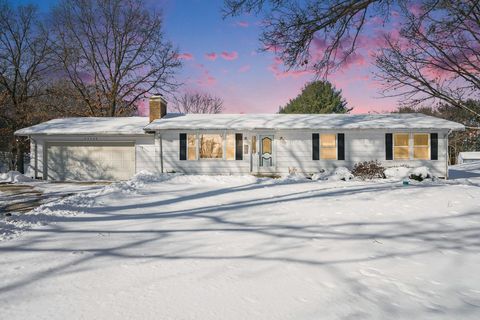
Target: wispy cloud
{"points": [[185, 56], [244, 68], [205, 79], [243, 24], [212, 56], [279, 73], [229, 55]]}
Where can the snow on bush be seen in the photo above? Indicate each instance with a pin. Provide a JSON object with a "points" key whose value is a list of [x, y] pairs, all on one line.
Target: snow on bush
{"points": [[340, 173], [420, 174], [399, 173], [14, 177]]}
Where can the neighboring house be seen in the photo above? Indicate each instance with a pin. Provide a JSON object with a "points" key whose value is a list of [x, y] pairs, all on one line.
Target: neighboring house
{"points": [[465, 157], [267, 144]]}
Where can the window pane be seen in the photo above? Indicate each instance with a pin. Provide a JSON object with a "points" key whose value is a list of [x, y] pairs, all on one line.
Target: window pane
{"points": [[327, 140], [211, 146], [401, 139], [230, 153], [328, 153], [420, 139], [267, 145], [192, 147], [401, 153], [254, 144], [421, 153]]}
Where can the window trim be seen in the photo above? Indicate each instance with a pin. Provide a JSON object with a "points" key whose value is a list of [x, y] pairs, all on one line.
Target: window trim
{"points": [[422, 146], [223, 134], [334, 147], [411, 146], [408, 146]]}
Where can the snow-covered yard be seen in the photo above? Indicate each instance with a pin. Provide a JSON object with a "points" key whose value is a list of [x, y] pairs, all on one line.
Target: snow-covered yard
{"points": [[179, 247]]}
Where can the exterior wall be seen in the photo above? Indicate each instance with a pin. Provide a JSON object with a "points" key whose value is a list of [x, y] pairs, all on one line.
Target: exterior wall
{"points": [[146, 150], [170, 146], [293, 153]]}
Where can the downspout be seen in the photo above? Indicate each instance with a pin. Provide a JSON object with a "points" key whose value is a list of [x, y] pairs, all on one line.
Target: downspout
{"points": [[35, 166], [447, 153], [161, 152]]}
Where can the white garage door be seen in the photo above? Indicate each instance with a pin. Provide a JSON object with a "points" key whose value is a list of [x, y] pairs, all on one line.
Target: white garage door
{"points": [[83, 161]]}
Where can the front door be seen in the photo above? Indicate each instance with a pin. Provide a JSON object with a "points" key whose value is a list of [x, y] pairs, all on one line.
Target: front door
{"points": [[266, 151]]}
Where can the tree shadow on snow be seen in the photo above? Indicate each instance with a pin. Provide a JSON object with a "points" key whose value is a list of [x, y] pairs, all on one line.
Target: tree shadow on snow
{"points": [[274, 242]]}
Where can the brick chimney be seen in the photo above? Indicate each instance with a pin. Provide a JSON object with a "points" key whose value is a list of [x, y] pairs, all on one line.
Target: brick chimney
{"points": [[158, 107]]}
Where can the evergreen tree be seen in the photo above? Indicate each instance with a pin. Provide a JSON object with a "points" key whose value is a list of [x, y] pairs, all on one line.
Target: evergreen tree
{"points": [[317, 97]]}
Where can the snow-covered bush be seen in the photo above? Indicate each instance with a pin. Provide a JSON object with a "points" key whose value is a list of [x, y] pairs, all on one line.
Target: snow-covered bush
{"points": [[13, 177], [420, 174], [321, 175], [404, 172], [369, 170], [340, 173]]}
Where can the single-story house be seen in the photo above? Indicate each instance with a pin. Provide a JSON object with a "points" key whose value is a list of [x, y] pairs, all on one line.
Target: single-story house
{"points": [[471, 156], [267, 144]]}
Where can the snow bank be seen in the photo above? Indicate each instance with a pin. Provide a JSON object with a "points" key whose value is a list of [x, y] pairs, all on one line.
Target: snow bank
{"points": [[14, 177], [340, 173], [399, 173]]}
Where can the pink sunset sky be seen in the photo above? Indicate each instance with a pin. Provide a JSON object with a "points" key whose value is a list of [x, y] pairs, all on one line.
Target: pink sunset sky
{"points": [[221, 57]]}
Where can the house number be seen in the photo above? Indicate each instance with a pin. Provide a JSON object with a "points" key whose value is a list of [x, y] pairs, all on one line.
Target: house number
{"points": [[90, 138]]}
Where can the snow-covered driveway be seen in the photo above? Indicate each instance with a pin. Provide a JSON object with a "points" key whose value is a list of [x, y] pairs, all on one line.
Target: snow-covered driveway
{"points": [[242, 248]]}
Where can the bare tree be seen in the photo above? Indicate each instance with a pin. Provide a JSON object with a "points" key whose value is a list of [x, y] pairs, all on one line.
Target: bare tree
{"points": [[196, 102], [290, 28], [113, 52], [436, 57], [24, 65]]}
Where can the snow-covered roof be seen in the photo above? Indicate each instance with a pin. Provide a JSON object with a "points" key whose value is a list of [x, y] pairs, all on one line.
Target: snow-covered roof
{"points": [[471, 155], [88, 125], [138, 125], [303, 121]]}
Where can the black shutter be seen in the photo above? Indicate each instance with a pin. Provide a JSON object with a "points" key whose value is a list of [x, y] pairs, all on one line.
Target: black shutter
{"points": [[341, 146], [388, 146], [238, 146], [315, 146], [183, 146], [433, 146]]}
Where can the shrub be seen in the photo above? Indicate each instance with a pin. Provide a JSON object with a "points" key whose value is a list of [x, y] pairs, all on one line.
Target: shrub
{"points": [[420, 174], [369, 170]]}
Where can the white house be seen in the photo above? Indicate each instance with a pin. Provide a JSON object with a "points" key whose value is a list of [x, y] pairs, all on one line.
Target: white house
{"points": [[472, 156], [270, 144]]}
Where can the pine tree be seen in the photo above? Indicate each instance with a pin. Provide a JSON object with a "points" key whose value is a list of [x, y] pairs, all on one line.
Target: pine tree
{"points": [[317, 97]]}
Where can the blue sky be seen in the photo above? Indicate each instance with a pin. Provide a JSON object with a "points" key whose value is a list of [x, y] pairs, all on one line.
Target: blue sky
{"points": [[248, 80]]}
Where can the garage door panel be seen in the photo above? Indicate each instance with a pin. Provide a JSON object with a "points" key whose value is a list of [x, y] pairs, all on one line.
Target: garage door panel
{"points": [[80, 161]]}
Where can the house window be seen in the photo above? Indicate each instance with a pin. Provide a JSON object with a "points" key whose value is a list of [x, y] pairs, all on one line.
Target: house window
{"points": [[191, 147], [421, 146], [211, 146], [230, 148], [328, 147], [254, 144], [401, 149], [267, 145]]}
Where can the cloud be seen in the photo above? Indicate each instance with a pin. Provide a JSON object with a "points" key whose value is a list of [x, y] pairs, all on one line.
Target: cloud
{"points": [[229, 55], [205, 79], [279, 73], [244, 68], [185, 56], [242, 24], [212, 56]]}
